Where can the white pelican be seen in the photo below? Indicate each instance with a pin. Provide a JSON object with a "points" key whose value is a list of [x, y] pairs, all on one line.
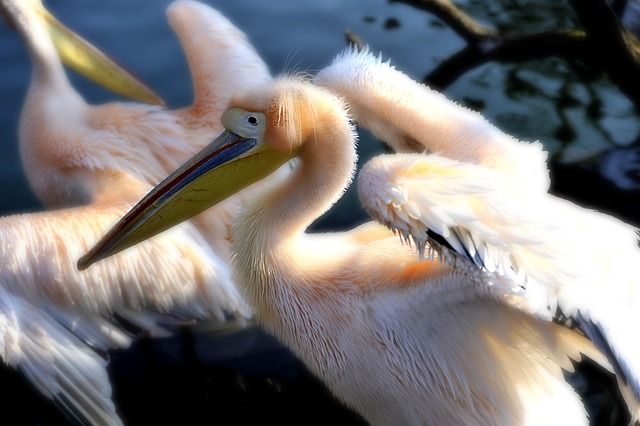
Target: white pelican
{"points": [[462, 336], [91, 163]]}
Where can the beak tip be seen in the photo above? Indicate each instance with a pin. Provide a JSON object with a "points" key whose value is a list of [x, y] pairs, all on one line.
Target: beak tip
{"points": [[84, 262]]}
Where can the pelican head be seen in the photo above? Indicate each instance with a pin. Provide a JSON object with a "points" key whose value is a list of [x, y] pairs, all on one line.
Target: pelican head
{"points": [[30, 18], [263, 131]]}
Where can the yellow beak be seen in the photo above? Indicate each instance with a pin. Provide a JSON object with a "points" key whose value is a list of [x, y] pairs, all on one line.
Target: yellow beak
{"points": [[225, 166], [87, 60]]}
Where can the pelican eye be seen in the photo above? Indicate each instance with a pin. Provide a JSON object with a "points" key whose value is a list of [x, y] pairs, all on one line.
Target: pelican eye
{"points": [[252, 120], [248, 124]]}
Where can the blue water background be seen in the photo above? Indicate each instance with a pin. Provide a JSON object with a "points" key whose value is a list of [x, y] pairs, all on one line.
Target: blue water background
{"points": [[307, 35]]}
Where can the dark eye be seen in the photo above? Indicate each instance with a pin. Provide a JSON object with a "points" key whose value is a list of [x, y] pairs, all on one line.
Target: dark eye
{"points": [[252, 120]]}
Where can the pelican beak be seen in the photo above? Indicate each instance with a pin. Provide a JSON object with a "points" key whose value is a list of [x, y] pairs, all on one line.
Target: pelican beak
{"points": [[87, 60], [225, 166]]}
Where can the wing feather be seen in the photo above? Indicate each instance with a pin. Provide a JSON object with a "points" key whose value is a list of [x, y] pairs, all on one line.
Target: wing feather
{"points": [[55, 320], [562, 256], [55, 361], [441, 204], [177, 272]]}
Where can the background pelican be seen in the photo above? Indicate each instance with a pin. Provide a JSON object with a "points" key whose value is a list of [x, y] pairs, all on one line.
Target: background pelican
{"points": [[391, 336], [90, 163]]}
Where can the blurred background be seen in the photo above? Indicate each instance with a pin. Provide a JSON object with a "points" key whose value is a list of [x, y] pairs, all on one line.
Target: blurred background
{"points": [[209, 376]]}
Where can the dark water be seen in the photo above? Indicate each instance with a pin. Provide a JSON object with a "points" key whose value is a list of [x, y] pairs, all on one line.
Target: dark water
{"points": [[245, 377]]}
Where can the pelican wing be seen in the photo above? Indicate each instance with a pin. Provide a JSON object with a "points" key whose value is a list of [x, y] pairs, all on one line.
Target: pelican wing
{"points": [[53, 318], [437, 202], [411, 117], [175, 273], [221, 60], [538, 253], [55, 361]]}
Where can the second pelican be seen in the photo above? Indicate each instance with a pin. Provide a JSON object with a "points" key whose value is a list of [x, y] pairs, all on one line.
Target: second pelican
{"points": [[90, 163]]}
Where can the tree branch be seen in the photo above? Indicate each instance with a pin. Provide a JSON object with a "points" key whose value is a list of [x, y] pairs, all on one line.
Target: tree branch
{"points": [[454, 17], [616, 50], [516, 48], [603, 43]]}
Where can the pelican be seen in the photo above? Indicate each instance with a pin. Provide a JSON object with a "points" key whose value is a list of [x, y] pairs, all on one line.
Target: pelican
{"points": [[89, 164], [462, 333]]}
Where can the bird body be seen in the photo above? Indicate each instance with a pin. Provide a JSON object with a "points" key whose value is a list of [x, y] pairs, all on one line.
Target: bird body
{"points": [[89, 164], [408, 342], [388, 334]]}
